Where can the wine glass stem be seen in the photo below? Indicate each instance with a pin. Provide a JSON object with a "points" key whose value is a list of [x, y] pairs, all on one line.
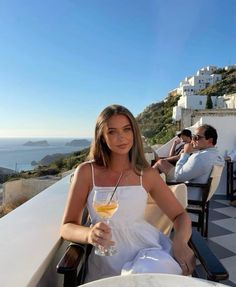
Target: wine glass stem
{"points": [[107, 221]]}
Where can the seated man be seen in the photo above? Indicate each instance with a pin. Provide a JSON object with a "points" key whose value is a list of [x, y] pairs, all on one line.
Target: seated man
{"points": [[167, 163], [199, 156]]}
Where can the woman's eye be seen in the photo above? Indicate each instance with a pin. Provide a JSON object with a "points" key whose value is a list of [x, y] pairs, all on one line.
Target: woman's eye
{"points": [[111, 132]]}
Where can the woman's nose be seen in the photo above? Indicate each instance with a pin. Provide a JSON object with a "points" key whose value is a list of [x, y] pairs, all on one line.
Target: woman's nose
{"points": [[120, 135]]}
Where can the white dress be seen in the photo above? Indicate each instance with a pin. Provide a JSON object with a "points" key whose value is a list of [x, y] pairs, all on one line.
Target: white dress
{"points": [[141, 247]]}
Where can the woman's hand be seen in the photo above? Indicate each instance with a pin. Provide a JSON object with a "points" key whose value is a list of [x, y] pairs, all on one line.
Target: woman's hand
{"points": [[100, 234], [177, 141], [184, 255]]}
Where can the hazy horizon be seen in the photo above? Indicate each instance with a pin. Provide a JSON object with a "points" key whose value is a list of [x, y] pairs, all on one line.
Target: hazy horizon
{"points": [[46, 137]]}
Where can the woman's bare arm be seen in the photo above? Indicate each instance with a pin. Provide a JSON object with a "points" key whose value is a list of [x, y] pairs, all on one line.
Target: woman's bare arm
{"points": [[71, 228]]}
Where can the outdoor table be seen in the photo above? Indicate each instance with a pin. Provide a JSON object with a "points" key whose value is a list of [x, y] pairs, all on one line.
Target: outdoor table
{"points": [[152, 280]]}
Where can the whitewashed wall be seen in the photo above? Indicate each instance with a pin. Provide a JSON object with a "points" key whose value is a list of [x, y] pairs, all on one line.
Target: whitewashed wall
{"points": [[226, 128], [30, 243], [16, 190], [195, 102]]}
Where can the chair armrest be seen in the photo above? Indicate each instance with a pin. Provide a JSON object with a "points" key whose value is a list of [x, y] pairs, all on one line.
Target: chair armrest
{"points": [[72, 264], [204, 189], [213, 267], [192, 184], [195, 184], [72, 259], [174, 182]]}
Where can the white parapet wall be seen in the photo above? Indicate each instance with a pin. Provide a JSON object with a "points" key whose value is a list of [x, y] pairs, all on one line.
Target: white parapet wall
{"points": [[163, 151], [226, 129], [15, 190], [30, 243]]}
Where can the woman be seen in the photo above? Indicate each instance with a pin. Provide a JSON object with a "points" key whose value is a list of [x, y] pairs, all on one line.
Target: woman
{"points": [[117, 149]]}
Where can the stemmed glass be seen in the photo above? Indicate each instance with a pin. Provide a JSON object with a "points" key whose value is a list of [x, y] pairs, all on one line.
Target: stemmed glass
{"points": [[105, 204]]}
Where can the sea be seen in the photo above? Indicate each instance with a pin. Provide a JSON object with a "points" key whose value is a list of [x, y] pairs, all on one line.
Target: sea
{"points": [[18, 157]]}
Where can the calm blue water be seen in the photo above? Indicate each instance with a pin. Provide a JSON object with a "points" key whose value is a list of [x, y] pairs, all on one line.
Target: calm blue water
{"points": [[16, 156]]}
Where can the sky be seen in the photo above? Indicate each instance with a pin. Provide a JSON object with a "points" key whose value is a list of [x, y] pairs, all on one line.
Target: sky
{"points": [[63, 61]]}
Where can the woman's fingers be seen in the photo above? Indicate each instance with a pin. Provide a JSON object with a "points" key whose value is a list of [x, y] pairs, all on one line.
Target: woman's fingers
{"points": [[184, 268], [188, 266], [192, 264], [101, 235], [104, 241]]}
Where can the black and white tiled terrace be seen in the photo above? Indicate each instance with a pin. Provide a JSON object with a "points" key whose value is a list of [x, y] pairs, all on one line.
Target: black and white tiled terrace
{"points": [[222, 234]]}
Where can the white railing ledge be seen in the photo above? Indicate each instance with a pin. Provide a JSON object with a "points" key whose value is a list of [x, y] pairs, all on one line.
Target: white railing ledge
{"points": [[30, 239]]}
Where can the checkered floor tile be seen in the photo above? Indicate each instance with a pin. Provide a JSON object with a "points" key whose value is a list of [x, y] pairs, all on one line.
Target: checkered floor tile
{"points": [[222, 234]]}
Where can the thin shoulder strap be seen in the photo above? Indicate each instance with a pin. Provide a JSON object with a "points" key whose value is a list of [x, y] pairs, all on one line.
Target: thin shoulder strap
{"points": [[141, 178], [92, 168]]}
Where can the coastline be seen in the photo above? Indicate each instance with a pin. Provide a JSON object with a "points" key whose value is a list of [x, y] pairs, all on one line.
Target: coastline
{"points": [[17, 157]]}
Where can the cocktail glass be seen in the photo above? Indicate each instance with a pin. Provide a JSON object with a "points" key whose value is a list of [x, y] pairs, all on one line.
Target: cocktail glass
{"points": [[105, 204]]}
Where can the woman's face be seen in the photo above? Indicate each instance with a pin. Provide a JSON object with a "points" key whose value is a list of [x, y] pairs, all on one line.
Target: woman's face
{"points": [[118, 134]]}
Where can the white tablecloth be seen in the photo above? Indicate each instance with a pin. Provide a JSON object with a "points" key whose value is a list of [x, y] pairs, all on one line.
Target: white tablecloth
{"points": [[152, 280]]}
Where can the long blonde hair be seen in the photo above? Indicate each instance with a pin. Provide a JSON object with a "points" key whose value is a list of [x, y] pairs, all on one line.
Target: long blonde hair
{"points": [[100, 152]]}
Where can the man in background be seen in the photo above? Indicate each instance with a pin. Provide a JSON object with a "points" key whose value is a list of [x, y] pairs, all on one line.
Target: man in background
{"points": [[199, 156]]}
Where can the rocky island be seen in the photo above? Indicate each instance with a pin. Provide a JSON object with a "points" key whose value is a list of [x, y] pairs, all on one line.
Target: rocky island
{"points": [[48, 159], [79, 143], [36, 143]]}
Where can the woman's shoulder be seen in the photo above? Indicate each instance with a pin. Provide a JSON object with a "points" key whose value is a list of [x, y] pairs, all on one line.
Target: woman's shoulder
{"points": [[83, 167], [87, 166], [151, 179], [150, 174]]}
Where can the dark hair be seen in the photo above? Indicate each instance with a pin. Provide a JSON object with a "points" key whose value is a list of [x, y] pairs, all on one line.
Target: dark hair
{"points": [[186, 132], [100, 152], [210, 132]]}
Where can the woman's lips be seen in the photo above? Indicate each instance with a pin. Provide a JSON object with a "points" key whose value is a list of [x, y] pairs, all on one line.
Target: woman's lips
{"points": [[122, 146]]}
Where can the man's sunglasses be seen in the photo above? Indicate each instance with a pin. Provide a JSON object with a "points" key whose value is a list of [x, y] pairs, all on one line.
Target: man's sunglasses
{"points": [[197, 137]]}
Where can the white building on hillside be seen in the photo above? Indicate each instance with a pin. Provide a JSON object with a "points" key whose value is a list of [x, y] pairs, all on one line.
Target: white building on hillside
{"points": [[197, 102], [190, 87], [204, 78], [228, 101]]}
